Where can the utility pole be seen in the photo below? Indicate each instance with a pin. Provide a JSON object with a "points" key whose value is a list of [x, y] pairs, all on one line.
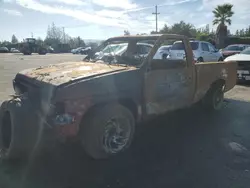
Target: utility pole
{"points": [[31, 34], [156, 18], [64, 35]]}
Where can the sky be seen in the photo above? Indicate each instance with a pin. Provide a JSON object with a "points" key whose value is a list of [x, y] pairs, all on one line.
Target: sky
{"points": [[101, 19]]}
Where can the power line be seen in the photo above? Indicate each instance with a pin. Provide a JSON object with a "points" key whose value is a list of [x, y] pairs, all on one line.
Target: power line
{"points": [[156, 18]]}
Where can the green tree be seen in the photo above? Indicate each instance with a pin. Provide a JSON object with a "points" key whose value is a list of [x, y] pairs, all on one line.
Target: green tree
{"points": [[180, 28], [93, 45], [165, 29], [223, 14], [80, 41], [237, 33], [75, 42], [14, 40], [54, 35], [39, 41], [242, 32]]}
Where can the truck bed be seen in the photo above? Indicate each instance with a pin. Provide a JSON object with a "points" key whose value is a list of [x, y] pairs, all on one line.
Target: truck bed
{"points": [[210, 72]]}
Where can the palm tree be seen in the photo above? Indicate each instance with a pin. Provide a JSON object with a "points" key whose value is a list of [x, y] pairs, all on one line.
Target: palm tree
{"points": [[222, 14]]}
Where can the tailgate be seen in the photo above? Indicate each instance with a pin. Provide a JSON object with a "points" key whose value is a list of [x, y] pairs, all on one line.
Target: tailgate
{"points": [[177, 54], [208, 73]]}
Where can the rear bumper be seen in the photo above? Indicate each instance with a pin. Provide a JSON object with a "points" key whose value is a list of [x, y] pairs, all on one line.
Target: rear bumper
{"points": [[243, 75]]}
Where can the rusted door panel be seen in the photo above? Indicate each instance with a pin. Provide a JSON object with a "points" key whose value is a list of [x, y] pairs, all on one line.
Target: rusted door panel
{"points": [[208, 73], [168, 89]]}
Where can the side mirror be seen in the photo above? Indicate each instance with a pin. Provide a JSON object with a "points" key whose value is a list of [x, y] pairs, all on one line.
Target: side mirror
{"points": [[216, 50]]}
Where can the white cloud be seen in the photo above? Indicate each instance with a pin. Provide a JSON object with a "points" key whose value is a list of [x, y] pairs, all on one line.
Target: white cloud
{"points": [[239, 6], [200, 8], [122, 4], [110, 13], [80, 15], [176, 2], [191, 15], [208, 14], [13, 12], [105, 17], [68, 2]]}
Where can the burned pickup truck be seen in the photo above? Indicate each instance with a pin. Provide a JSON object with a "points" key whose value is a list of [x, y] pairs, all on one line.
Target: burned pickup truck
{"points": [[99, 101]]}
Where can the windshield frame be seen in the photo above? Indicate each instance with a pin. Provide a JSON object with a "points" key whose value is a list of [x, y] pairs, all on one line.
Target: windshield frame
{"points": [[130, 40]]}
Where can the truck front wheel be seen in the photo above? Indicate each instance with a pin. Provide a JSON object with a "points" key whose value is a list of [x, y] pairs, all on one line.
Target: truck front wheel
{"points": [[17, 130], [214, 98], [107, 131]]}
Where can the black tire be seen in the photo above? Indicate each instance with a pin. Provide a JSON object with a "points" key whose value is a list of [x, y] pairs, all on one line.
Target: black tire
{"points": [[26, 53], [93, 130], [42, 52], [220, 59], [214, 98], [200, 59], [18, 130], [164, 56]]}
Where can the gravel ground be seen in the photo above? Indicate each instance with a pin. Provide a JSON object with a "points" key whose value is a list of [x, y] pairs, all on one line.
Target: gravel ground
{"points": [[185, 149]]}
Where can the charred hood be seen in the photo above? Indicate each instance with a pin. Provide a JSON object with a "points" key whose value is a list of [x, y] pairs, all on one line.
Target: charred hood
{"points": [[62, 73]]}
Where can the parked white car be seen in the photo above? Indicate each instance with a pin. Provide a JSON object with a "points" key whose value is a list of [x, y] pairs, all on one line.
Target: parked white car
{"points": [[243, 59], [203, 51], [162, 52], [77, 50], [14, 50]]}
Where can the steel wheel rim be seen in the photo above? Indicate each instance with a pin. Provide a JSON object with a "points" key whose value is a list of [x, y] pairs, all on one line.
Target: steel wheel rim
{"points": [[116, 136]]}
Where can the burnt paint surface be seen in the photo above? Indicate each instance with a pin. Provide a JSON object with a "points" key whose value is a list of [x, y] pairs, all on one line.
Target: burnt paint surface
{"points": [[82, 85], [66, 72], [80, 96], [168, 88], [208, 73]]}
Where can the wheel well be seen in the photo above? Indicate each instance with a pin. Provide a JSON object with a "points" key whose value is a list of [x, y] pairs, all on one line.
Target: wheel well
{"points": [[126, 102], [219, 82], [131, 105]]}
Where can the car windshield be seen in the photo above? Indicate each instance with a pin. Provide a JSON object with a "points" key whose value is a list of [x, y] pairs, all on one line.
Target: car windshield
{"points": [[116, 52], [114, 48], [246, 51], [79, 48], [180, 46], [234, 48], [164, 48]]}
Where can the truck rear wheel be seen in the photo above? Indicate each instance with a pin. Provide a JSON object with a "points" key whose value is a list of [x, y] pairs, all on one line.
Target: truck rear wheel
{"points": [[107, 131], [16, 131], [215, 97], [200, 60]]}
